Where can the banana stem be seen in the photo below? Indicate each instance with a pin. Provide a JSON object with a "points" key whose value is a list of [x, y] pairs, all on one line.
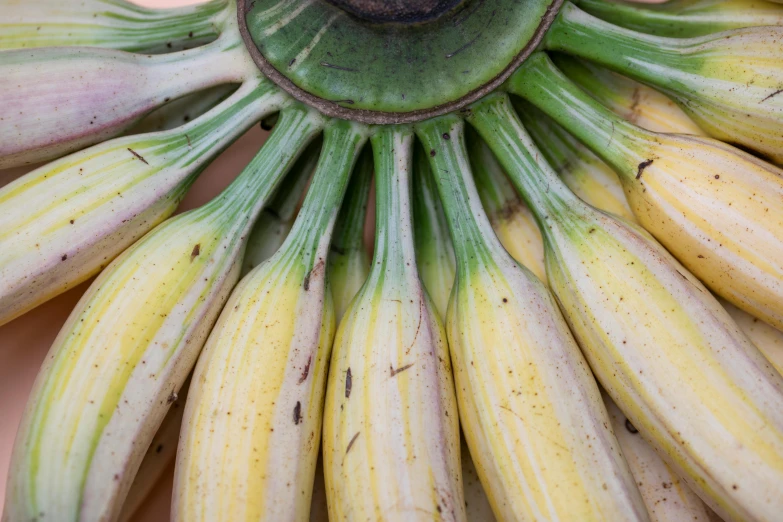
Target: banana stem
{"points": [[111, 24], [605, 133]]}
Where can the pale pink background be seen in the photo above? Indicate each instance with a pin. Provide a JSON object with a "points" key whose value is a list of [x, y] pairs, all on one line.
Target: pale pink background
{"points": [[25, 341]]}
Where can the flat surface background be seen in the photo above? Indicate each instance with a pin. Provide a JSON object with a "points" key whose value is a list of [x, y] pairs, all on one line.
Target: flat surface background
{"points": [[25, 341]]}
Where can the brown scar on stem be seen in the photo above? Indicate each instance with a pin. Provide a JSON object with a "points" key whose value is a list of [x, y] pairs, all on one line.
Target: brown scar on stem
{"points": [[401, 369], [306, 370], [196, 251], [298, 413], [772, 95], [348, 384], [643, 165], [137, 155]]}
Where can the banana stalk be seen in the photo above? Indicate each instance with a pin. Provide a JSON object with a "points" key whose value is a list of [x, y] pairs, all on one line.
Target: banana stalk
{"points": [[112, 24], [633, 101], [686, 18], [434, 251], [129, 344], [582, 171], [60, 99], [667, 497], [391, 427], [660, 344], [349, 263], [65, 221], [511, 220], [277, 218], [250, 453], [729, 83], [530, 409], [716, 208], [159, 456]]}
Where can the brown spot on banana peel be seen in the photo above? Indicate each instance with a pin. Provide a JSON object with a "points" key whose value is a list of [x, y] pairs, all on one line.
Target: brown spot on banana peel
{"points": [[394, 372], [643, 165], [195, 252], [306, 371], [319, 266], [353, 440], [139, 156], [298, 413], [348, 384], [772, 95]]}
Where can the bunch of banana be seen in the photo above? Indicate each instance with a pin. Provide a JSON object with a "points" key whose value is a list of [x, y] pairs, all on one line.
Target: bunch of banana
{"points": [[349, 263], [110, 24], [686, 18], [530, 410], [127, 347], [717, 209], [67, 220], [92, 94], [660, 344], [729, 83], [250, 453], [391, 439]]}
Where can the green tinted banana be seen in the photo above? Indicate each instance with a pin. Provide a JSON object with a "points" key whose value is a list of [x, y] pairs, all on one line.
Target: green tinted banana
{"points": [[391, 427], [182, 110], [686, 18], [717, 209], [114, 24], [252, 423], [530, 409], [277, 218], [349, 263], [126, 348], [661, 345], [729, 83], [65, 221]]}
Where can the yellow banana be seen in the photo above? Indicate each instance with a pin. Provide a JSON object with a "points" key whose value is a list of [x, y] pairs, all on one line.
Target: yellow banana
{"points": [[250, 453], [391, 439], [661, 345], [716, 208], [129, 344], [65, 221], [531, 412], [767, 339]]}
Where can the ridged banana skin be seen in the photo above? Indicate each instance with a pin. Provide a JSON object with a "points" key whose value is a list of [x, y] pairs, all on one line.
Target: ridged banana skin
{"points": [[517, 230], [65, 221], [674, 361], [720, 212], [391, 426], [116, 366], [767, 339], [667, 497], [252, 424]]}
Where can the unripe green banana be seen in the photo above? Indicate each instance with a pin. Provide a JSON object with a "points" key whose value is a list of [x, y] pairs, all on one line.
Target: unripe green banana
{"points": [[276, 220], [391, 427], [125, 350], [717, 209], [250, 453], [729, 83], [114, 24], [686, 18], [530, 410], [74, 97], [65, 221], [349, 263], [660, 344]]}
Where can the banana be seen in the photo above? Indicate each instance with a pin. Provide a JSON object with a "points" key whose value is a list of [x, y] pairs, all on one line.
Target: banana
{"points": [[65, 221], [633, 101], [729, 83], [250, 453], [660, 344], [511, 220], [160, 454], [767, 339], [667, 497], [114, 24], [74, 97], [277, 218], [686, 18], [349, 263], [716, 208], [434, 250], [391, 428], [182, 110], [531, 411], [125, 350]]}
